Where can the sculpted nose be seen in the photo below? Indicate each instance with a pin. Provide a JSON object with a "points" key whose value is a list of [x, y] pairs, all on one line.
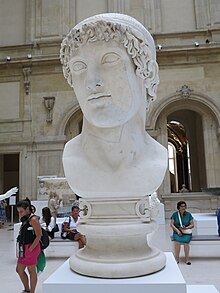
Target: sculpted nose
{"points": [[94, 85], [94, 81], [98, 84]]}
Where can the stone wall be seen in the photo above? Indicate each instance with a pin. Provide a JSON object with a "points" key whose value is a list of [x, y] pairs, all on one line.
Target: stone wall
{"points": [[30, 71], [197, 202]]}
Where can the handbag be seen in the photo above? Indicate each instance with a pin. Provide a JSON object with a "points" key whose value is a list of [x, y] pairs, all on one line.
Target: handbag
{"points": [[63, 233], [55, 228], [186, 231]]}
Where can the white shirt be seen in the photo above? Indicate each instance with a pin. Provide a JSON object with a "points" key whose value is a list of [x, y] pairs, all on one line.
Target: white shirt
{"points": [[50, 226], [73, 224]]}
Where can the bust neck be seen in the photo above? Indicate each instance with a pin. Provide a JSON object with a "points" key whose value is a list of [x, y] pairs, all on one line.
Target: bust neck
{"points": [[113, 147]]}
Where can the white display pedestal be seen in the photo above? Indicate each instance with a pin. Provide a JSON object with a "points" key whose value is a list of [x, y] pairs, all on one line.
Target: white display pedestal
{"points": [[205, 224], [168, 280], [201, 289]]}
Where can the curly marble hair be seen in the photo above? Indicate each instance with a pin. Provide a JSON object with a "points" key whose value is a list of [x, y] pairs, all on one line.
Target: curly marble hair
{"points": [[124, 29]]}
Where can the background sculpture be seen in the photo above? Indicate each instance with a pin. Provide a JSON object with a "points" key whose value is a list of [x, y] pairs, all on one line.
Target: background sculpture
{"points": [[110, 61], [9, 193]]}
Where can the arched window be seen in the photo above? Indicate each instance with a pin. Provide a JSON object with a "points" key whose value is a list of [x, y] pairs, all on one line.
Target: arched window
{"points": [[189, 167], [178, 155], [173, 167]]}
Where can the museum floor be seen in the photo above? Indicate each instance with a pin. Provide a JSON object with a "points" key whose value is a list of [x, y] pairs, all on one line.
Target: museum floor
{"points": [[204, 269]]}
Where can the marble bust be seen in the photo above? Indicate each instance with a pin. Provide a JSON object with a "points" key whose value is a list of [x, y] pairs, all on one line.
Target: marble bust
{"points": [[114, 164], [110, 61]]}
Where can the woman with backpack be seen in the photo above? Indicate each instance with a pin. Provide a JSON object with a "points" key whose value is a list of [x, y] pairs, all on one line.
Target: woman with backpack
{"points": [[69, 229], [29, 245]]}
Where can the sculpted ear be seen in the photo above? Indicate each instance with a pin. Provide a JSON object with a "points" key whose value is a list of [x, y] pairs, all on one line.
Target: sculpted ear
{"points": [[151, 83]]}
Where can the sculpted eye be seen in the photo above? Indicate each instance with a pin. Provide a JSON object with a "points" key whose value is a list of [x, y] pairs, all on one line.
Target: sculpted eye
{"points": [[78, 66], [110, 58]]}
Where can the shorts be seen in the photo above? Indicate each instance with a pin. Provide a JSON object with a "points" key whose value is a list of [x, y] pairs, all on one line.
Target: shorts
{"points": [[71, 235], [30, 258]]}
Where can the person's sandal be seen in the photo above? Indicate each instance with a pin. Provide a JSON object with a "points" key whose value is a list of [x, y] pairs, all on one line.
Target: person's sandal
{"points": [[188, 263], [26, 291]]}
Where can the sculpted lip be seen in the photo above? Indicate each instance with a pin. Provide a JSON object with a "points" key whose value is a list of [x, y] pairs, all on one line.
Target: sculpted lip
{"points": [[98, 96]]}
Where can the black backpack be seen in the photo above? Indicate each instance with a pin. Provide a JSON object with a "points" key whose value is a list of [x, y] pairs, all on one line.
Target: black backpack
{"points": [[44, 241]]}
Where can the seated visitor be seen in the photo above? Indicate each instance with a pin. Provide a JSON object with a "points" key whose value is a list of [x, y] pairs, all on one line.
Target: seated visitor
{"points": [[70, 227], [182, 223], [47, 222]]}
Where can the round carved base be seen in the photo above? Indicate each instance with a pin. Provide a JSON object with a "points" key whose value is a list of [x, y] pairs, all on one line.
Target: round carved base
{"points": [[118, 233], [116, 270], [117, 250]]}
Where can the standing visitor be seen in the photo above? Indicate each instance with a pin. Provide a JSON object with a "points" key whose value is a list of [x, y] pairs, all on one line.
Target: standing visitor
{"points": [[3, 217], [29, 245], [54, 204]]}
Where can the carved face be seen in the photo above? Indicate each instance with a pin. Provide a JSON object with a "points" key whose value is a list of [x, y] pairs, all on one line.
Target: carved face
{"points": [[106, 86]]}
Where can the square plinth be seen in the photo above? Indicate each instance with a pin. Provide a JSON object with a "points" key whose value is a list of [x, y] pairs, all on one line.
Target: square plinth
{"points": [[168, 280]]}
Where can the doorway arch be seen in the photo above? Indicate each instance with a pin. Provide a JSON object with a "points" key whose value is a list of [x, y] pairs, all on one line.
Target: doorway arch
{"points": [[201, 117], [185, 132]]}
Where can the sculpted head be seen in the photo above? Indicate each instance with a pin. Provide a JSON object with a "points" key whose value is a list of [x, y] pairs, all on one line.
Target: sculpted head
{"points": [[110, 61]]}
